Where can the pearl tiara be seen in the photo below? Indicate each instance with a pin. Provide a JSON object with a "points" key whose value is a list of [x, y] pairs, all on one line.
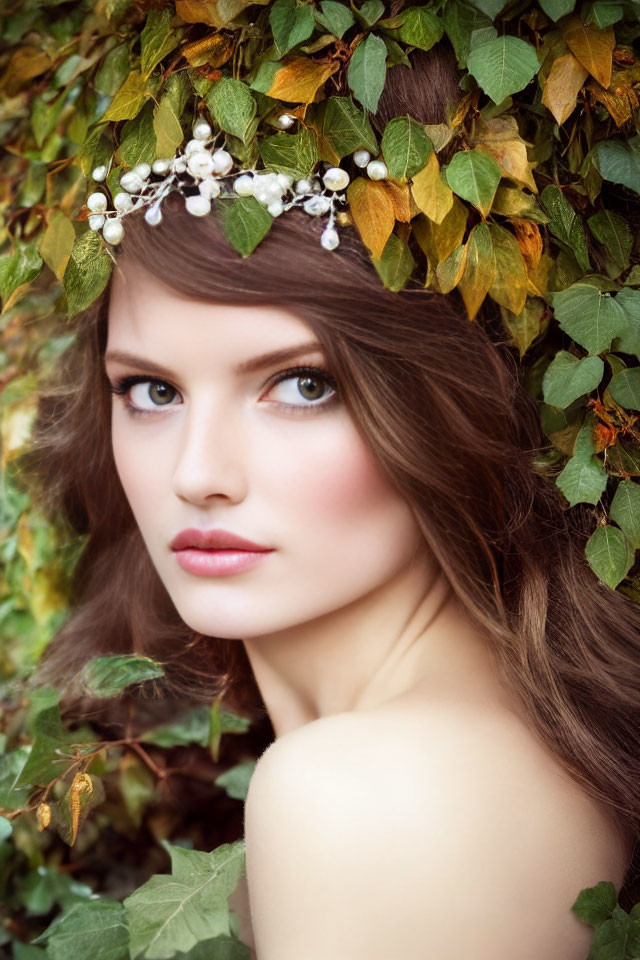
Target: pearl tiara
{"points": [[210, 168]]}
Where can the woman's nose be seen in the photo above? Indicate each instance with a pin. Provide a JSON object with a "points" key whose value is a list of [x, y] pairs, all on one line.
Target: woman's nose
{"points": [[209, 457]]}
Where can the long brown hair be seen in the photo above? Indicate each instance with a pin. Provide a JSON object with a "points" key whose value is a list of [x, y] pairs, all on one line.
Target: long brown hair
{"points": [[442, 403]]}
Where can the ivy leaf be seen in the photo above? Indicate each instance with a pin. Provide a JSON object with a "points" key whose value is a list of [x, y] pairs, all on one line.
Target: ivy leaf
{"points": [[509, 287], [625, 510], [95, 929], [87, 272], [474, 176], [367, 71], [420, 28], [592, 47], [157, 39], [108, 676], [129, 99], [166, 115], [629, 340], [568, 377], [218, 948], [479, 270], [245, 222], [619, 162], [235, 780], [614, 234], [625, 388], [557, 8], [590, 317], [405, 147], [396, 264], [291, 24], [346, 127], [233, 108], [138, 138], [503, 66], [335, 17], [460, 22], [293, 153], [565, 224], [603, 14], [17, 270], [430, 192], [57, 242], [562, 86], [609, 553], [195, 726], [583, 479], [491, 8], [170, 913]]}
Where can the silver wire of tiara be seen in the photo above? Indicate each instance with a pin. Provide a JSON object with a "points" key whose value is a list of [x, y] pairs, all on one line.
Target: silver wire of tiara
{"points": [[210, 167]]}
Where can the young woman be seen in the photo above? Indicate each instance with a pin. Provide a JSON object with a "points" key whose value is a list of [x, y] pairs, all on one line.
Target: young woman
{"points": [[454, 697]]}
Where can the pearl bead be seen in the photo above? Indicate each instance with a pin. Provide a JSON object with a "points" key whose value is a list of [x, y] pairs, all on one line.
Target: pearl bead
{"points": [[113, 231], [180, 166], [335, 178], [317, 205], [161, 166], [285, 120], [192, 146], [377, 169], [316, 187], [330, 239], [97, 202], [198, 205], [123, 202], [142, 169], [303, 186], [209, 188], [153, 216], [96, 222], [222, 161], [285, 180], [243, 186], [200, 164], [131, 182], [100, 172], [361, 158], [202, 130], [275, 208]]}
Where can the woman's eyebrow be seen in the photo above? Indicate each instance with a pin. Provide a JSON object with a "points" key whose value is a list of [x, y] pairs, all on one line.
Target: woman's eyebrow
{"points": [[248, 366]]}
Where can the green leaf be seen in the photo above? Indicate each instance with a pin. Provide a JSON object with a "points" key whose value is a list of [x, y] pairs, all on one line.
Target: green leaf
{"points": [[44, 763], [107, 676], [603, 14], [167, 115], [233, 108], [619, 162], [609, 553], [370, 12], [629, 340], [565, 224], [625, 388], [129, 99], [474, 176], [41, 891], [396, 264], [557, 8], [113, 70], [489, 7], [590, 317], [420, 27], [158, 38], [6, 828], [17, 270], [614, 234], [87, 273], [245, 222], [335, 17], [236, 780], [583, 479], [11, 796], [625, 510], [567, 378], [460, 22], [292, 153], [405, 147], [138, 138], [218, 948], [291, 24], [367, 71], [503, 66], [95, 929], [596, 904], [347, 128], [170, 913]]}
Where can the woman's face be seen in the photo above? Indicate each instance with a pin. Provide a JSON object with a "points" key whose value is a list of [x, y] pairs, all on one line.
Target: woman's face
{"points": [[215, 442]]}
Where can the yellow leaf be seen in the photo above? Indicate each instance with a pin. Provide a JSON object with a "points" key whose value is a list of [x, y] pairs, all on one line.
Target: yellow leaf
{"points": [[373, 213], [538, 279], [129, 99], [563, 84], [56, 243], [213, 50], [439, 240], [500, 138], [401, 199], [430, 192], [509, 288], [24, 64], [299, 80], [622, 102], [43, 816], [480, 269], [529, 240], [217, 13], [528, 324], [449, 272], [511, 202], [80, 784], [167, 128], [592, 47]]}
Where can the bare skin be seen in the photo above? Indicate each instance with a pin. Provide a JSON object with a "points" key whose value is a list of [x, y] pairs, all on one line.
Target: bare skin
{"points": [[349, 614]]}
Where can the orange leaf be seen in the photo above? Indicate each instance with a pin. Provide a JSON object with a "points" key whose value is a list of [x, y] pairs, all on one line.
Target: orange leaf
{"points": [[563, 84], [373, 213], [432, 195], [81, 783], [299, 80], [213, 50], [401, 199], [529, 240], [592, 47]]}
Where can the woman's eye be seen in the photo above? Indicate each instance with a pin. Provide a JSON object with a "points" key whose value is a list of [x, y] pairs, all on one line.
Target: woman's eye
{"points": [[310, 387], [151, 394]]}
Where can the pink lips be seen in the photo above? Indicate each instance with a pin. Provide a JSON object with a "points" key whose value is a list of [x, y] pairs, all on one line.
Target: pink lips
{"points": [[214, 553]]}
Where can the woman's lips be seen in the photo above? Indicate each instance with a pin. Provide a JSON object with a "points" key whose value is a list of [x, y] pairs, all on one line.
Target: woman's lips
{"points": [[218, 563]]}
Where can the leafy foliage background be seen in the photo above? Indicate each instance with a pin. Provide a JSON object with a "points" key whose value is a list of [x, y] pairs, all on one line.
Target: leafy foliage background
{"points": [[527, 197]]}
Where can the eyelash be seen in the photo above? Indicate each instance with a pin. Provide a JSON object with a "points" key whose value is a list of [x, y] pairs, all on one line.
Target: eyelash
{"points": [[122, 386]]}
